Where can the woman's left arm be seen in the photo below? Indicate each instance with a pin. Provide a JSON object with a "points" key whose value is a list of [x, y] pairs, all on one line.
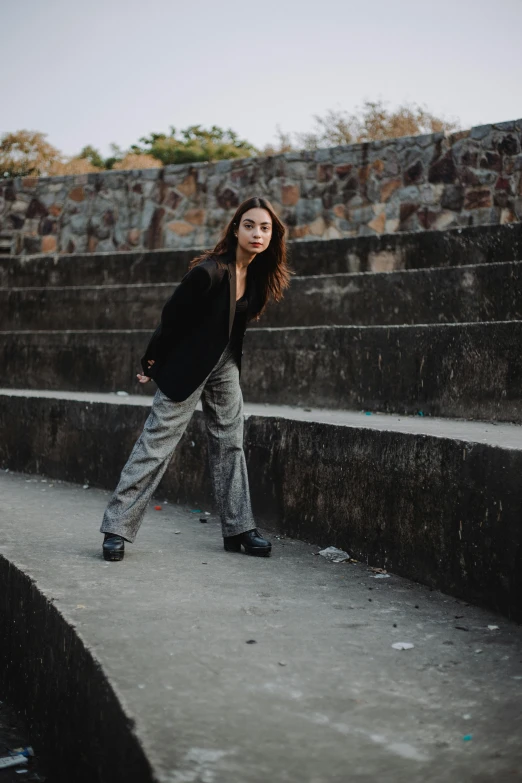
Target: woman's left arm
{"points": [[194, 286]]}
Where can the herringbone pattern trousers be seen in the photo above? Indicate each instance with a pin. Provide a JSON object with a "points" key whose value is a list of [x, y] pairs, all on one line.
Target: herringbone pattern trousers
{"points": [[222, 402]]}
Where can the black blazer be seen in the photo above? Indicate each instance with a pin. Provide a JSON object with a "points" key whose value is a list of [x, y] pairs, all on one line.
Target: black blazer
{"points": [[196, 324]]}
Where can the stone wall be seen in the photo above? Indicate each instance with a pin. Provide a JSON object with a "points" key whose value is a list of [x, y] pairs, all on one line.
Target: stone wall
{"points": [[414, 183]]}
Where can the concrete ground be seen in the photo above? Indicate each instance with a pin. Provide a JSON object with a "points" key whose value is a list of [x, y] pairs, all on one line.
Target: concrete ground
{"points": [[250, 670]]}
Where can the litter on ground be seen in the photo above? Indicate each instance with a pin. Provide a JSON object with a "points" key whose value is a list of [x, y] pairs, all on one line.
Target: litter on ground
{"points": [[334, 555]]}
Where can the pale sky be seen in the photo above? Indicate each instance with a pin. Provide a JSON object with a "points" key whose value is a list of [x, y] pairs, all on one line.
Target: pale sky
{"points": [[113, 70]]}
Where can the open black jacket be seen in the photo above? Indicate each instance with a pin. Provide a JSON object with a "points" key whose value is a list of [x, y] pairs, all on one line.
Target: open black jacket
{"points": [[196, 324]]}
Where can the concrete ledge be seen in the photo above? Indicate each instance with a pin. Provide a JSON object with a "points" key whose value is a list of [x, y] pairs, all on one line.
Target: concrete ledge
{"points": [[462, 370], [320, 686], [440, 509], [54, 678], [471, 371], [486, 292], [384, 253]]}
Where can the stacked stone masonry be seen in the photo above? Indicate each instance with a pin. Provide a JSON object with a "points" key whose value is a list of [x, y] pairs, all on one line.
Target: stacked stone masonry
{"points": [[416, 183]]}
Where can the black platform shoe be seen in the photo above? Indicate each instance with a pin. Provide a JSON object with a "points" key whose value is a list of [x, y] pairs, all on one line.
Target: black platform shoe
{"points": [[252, 541], [113, 547]]}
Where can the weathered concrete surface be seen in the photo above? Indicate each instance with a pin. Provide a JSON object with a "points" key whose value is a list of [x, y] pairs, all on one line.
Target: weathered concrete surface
{"points": [[55, 679], [410, 250], [433, 500], [472, 371], [154, 266], [485, 292], [463, 370], [170, 631], [384, 253]]}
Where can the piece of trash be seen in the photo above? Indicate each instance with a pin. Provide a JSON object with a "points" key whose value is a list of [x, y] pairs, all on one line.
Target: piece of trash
{"points": [[467, 716], [205, 563], [307, 409], [402, 645], [367, 413], [176, 532], [461, 628], [13, 761], [157, 508], [80, 606], [203, 519], [195, 511], [251, 641], [420, 413], [467, 737], [122, 393], [477, 652], [207, 513], [334, 555], [493, 627], [281, 663], [85, 486], [380, 576]]}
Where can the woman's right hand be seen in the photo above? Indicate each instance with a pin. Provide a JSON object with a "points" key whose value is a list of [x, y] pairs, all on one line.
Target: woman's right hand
{"points": [[145, 378]]}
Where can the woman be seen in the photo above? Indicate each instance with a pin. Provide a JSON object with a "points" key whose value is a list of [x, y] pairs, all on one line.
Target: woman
{"points": [[195, 353]]}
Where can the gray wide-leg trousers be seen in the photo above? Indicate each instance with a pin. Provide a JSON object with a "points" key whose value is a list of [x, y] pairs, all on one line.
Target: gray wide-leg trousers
{"points": [[222, 402]]}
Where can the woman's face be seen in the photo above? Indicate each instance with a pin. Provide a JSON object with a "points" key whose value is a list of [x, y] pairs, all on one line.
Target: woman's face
{"points": [[255, 230]]}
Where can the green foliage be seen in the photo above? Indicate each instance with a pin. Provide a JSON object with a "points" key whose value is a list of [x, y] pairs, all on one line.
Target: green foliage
{"points": [[195, 144], [93, 156], [117, 155]]}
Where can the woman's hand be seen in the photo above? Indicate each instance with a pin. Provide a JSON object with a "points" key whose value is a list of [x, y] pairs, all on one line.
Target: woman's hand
{"points": [[145, 378]]}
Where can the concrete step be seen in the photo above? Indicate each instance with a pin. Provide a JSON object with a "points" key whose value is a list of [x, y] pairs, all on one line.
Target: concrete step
{"points": [[195, 701], [435, 500], [6, 242], [487, 292], [472, 371], [385, 253]]}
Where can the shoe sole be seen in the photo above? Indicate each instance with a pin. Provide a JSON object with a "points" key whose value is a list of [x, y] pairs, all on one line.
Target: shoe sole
{"points": [[113, 556], [256, 551], [259, 551]]}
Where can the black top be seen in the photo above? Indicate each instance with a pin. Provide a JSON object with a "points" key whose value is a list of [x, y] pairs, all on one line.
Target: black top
{"points": [[197, 322], [242, 304], [238, 327]]}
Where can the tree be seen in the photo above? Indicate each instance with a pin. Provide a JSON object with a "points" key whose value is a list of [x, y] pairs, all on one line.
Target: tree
{"points": [[93, 156], [372, 122], [284, 143], [137, 160], [69, 166], [26, 153], [194, 145]]}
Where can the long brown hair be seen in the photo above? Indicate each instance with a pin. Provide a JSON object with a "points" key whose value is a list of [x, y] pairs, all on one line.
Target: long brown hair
{"points": [[270, 268]]}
